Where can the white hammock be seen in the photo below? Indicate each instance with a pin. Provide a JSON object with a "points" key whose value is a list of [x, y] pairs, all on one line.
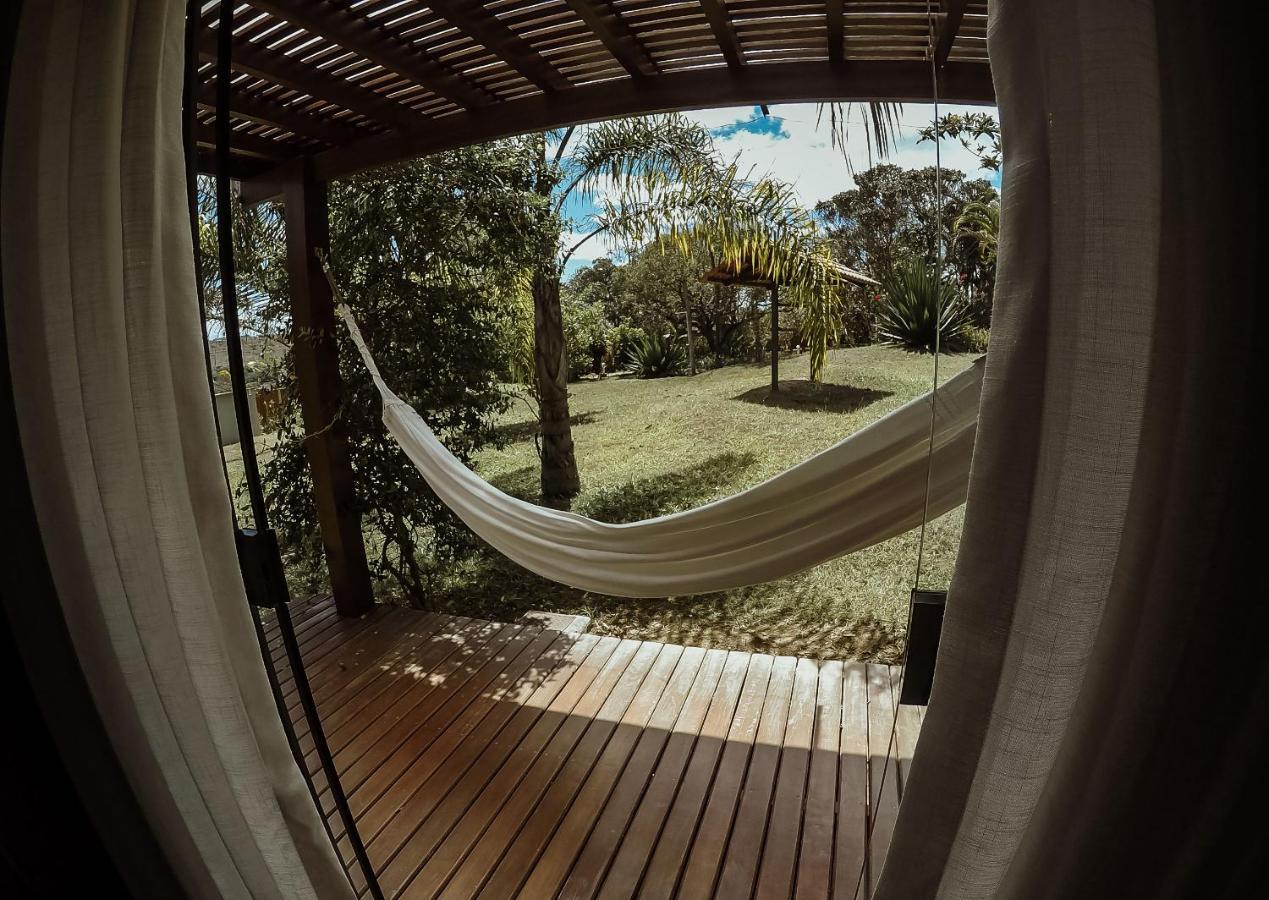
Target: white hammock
{"points": [[862, 490]]}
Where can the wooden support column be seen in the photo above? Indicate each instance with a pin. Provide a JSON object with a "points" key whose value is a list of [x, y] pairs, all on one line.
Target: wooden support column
{"points": [[775, 338], [317, 376]]}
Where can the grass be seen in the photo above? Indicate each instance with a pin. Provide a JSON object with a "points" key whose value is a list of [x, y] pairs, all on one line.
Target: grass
{"points": [[645, 448]]}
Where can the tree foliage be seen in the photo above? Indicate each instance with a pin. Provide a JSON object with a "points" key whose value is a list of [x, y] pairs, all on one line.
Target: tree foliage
{"points": [[430, 255], [977, 132], [893, 217]]}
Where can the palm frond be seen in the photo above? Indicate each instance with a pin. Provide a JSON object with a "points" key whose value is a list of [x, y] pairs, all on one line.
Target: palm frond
{"points": [[878, 119]]}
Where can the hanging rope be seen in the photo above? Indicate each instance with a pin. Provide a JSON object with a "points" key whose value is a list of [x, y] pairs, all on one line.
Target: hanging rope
{"points": [[257, 548], [934, 390]]}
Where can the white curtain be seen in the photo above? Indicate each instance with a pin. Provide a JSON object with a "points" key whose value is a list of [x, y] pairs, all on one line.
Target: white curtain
{"points": [[866, 488], [1098, 695], [116, 427]]}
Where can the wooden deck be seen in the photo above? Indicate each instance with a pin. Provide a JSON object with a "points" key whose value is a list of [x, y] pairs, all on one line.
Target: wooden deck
{"points": [[504, 760]]}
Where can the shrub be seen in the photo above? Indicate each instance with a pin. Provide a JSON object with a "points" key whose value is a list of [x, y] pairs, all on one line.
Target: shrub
{"points": [[621, 340], [976, 339], [912, 301], [656, 356]]}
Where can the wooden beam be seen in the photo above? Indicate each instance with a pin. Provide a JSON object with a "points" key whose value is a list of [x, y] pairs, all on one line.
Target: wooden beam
{"points": [[243, 143], [358, 34], [316, 358], [720, 23], [607, 25], [960, 82], [954, 12], [257, 108], [241, 168], [486, 29], [291, 73], [836, 32]]}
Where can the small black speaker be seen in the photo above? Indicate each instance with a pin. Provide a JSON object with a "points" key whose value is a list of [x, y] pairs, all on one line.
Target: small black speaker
{"points": [[925, 624]]}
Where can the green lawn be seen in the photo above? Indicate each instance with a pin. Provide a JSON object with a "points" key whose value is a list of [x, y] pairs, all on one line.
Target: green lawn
{"points": [[646, 448], [649, 447]]}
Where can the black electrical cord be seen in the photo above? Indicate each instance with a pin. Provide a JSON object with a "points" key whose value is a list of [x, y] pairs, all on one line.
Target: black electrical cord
{"points": [[257, 547]]}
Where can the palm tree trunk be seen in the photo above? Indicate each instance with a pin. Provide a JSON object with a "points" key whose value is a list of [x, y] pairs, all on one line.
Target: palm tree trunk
{"points": [[560, 480]]}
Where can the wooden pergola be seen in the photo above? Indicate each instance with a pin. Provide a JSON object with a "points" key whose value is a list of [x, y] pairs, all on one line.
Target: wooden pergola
{"points": [[747, 276], [324, 89]]}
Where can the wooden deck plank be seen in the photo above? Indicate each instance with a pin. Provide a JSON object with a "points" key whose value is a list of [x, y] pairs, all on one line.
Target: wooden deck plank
{"points": [[419, 827], [577, 743], [907, 728], [544, 651], [348, 710], [684, 717], [705, 858], [850, 860], [815, 855], [429, 719], [620, 758], [496, 760], [649, 816], [670, 853], [526, 699], [351, 644], [784, 824], [375, 744], [740, 867], [883, 778], [616, 742], [548, 740]]}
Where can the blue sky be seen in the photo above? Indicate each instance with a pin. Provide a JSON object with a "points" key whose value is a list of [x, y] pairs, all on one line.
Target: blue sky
{"points": [[792, 145]]}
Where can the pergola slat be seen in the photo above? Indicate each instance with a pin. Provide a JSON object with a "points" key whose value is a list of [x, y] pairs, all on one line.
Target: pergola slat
{"points": [[367, 40], [608, 26], [256, 108], [245, 142], [487, 30], [290, 73]]}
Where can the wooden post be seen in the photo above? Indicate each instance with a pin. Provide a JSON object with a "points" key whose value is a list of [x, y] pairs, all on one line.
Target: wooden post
{"points": [[317, 376], [775, 338]]}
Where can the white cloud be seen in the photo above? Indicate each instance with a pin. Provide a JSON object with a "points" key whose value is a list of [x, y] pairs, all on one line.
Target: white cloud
{"points": [[803, 155]]}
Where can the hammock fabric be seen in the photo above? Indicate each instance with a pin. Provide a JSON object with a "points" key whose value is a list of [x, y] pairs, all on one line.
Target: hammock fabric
{"points": [[864, 489]]}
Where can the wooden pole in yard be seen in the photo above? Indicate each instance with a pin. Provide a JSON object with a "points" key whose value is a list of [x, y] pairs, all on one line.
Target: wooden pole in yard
{"points": [[775, 338]]}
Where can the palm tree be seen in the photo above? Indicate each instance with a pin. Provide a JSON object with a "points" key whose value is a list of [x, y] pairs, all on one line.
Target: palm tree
{"points": [[980, 223], [625, 157]]}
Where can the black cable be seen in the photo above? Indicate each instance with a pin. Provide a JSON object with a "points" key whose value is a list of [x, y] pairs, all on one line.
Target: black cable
{"points": [[261, 539]]}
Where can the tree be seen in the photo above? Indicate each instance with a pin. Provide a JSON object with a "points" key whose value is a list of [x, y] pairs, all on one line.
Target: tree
{"points": [[979, 133], [431, 257], [626, 157], [975, 236], [892, 215]]}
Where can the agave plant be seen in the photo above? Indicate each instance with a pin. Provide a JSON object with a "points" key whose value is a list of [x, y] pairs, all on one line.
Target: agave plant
{"points": [[656, 356], [912, 301]]}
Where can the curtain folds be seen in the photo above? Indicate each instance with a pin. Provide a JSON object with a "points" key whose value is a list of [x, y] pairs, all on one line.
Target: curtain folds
{"points": [[1095, 703], [116, 426], [864, 489]]}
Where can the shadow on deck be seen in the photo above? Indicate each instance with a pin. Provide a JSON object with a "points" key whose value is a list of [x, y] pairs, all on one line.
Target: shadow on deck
{"points": [[505, 760]]}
